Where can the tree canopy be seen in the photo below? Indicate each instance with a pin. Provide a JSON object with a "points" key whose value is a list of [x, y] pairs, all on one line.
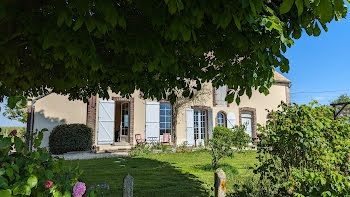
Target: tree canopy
{"points": [[81, 47], [343, 98]]}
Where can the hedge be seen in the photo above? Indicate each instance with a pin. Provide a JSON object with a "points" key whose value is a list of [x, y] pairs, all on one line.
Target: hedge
{"points": [[70, 137]]}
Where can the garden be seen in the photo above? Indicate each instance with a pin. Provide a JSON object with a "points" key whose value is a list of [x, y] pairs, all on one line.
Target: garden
{"points": [[301, 151]]}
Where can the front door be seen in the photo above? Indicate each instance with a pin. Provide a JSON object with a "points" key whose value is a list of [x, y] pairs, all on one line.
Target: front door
{"points": [[200, 126]]}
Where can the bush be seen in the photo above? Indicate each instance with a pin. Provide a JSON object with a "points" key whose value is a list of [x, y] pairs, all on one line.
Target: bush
{"points": [[303, 151], [70, 137], [140, 149], [24, 173], [252, 187], [240, 138]]}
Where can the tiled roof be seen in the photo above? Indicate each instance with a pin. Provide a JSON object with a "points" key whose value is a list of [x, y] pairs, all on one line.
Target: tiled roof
{"points": [[280, 78]]}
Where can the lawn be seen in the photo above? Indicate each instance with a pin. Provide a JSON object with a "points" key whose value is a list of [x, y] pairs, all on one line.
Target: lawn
{"points": [[166, 174]]}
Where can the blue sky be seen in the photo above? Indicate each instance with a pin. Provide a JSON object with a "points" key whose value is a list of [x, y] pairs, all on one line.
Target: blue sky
{"points": [[319, 67]]}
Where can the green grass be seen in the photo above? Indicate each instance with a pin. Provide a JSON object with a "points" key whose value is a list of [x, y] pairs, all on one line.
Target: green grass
{"points": [[166, 174]]}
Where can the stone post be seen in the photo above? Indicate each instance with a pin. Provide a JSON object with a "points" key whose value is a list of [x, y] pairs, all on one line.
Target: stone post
{"points": [[220, 183], [128, 186]]}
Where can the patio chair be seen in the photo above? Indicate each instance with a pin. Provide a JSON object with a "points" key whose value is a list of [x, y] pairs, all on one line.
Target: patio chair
{"points": [[166, 138]]}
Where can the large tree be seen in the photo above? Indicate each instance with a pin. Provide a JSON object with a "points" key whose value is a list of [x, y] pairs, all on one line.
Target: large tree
{"points": [[84, 47]]}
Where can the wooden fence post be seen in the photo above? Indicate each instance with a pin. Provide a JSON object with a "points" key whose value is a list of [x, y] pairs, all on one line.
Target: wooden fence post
{"points": [[128, 186], [220, 183]]}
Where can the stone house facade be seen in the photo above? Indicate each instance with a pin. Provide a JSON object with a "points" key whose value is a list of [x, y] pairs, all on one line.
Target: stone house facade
{"points": [[116, 122]]}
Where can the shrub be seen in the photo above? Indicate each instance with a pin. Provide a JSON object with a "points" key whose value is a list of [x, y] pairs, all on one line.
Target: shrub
{"points": [[240, 138], [140, 149], [303, 151], [220, 145], [252, 187], [70, 137], [24, 173]]}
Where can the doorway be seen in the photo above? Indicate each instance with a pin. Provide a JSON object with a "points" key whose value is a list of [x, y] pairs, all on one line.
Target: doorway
{"points": [[200, 126], [122, 121]]}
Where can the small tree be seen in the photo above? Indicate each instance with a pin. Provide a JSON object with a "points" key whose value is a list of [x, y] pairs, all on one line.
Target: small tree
{"points": [[221, 144], [240, 138]]}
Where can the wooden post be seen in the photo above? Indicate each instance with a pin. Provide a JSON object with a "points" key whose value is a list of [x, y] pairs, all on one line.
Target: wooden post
{"points": [[128, 186], [220, 183]]}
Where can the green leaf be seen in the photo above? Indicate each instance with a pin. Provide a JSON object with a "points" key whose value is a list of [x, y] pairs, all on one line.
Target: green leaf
{"points": [[172, 6], [252, 7], [90, 24], [78, 24], [297, 33], [300, 6], [57, 194], [326, 11], [186, 34], [121, 21], [286, 6], [5, 193], [61, 18], [307, 3], [67, 194], [26, 190], [9, 173], [5, 143], [237, 22], [245, 3], [317, 30], [3, 182], [32, 181], [180, 5]]}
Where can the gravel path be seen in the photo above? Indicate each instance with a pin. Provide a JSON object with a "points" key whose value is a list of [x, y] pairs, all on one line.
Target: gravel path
{"points": [[88, 155]]}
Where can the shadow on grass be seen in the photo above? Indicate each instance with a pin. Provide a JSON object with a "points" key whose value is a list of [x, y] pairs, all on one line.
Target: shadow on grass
{"points": [[228, 169], [151, 177]]}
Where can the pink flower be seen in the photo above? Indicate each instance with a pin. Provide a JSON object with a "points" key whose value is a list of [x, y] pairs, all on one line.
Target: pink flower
{"points": [[337, 167], [3, 164], [79, 189], [348, 155], [14, 132], [289, 191], [48, 184]]}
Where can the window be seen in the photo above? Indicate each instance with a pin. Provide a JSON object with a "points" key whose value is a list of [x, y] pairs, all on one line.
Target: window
{"points": [[221, 119], [200, 124], [125, 118], [246, 119], [220, 95], [165, 118]]}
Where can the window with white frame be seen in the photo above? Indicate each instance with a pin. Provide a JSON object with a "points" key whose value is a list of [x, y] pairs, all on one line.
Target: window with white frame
{"points": [[221, 119], [200, 124], [165, 118]]}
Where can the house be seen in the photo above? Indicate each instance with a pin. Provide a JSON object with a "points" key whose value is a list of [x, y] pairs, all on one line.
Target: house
{"points": [[116, 121]]}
